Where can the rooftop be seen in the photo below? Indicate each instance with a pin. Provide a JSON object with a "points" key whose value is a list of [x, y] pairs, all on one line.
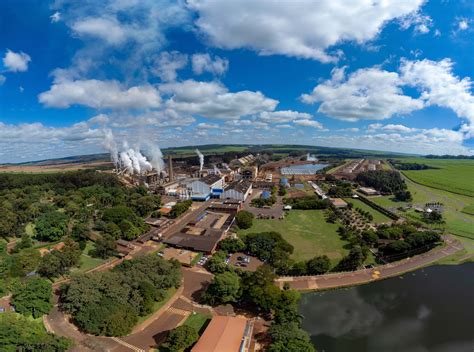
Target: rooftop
{"points": [[223, 334], [211, 179]]}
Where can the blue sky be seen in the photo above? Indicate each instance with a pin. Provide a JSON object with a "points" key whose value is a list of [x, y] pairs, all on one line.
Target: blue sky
{"points": [[80, 77]]}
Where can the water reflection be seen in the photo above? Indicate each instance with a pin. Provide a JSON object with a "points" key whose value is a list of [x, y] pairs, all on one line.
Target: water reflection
{"points": [[429, 311]]}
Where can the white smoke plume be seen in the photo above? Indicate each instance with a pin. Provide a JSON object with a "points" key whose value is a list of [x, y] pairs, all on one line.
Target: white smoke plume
{"points": [[156, 158], [201, 159], [310, 157], [131, 160]]}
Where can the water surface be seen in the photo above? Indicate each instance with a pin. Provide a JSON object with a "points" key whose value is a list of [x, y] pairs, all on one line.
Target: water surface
{"points": [[430, 310]]}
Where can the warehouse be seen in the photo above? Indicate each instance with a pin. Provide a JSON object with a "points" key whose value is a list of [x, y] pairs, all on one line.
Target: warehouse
{"points": [[207, 187], [238, 190]]}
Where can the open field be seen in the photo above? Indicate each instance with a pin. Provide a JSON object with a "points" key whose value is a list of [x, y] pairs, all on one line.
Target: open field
{"points": [[308, 232], [451, 175], [378, 216], [469, 209], [31, 169], [457, 222]]}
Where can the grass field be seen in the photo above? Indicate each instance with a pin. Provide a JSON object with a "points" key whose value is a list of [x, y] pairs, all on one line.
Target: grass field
{"points": [[378, 216], [308, 232], [451, 174], [198, 321], [88, 262], [469, 209]]}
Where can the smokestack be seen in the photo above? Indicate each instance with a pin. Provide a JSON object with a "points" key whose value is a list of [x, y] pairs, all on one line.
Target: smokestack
{"points": [[170, 168]]}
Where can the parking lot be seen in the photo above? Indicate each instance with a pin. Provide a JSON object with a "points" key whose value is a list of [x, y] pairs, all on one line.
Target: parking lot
{"points": [[238, 260]]}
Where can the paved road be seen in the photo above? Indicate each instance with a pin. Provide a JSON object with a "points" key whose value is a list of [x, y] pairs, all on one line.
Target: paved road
{"points": [[329, 281]]}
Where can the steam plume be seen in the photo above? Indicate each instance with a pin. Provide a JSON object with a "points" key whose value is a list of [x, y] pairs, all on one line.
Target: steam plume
{"points": [[201, 159]]}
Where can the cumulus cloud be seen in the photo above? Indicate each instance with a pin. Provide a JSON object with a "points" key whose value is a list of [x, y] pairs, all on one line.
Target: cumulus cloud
{"points": [[369, 93], [16, 62], [100, 95], [463, 25], [204, 63], [308, 123], [167, 63], [305, 28], [213, 100], [55, 17], [440, 86], [398, 128], [283, 116], [421, 23], [107, 29]]}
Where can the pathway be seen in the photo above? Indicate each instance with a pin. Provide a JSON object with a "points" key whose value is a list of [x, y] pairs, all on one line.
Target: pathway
{"points": [[336, 280]]}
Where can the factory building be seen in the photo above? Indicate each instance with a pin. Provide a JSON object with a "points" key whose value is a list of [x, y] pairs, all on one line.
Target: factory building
{"points": [[249, 173], [238, 190], [207, 187]]}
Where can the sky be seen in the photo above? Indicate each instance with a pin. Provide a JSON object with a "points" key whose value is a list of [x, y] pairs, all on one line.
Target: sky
{"points": [[82, 77]]}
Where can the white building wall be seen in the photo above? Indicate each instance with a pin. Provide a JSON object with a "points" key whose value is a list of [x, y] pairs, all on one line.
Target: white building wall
{"points": [[200, 187]]}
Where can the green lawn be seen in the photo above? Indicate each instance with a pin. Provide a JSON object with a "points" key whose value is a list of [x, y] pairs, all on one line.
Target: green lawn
{"points": [[88, 262], [469, 209], [451, 174], [378, 216], [308, 232], [198, 321]]}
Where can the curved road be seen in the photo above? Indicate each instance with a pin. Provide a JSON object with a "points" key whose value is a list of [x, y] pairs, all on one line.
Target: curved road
{"points": [[336, 280]]}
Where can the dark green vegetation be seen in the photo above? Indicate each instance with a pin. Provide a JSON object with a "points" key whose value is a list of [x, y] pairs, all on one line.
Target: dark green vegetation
{"points": [[244, 219], [110, 303], [400, 165], [261, 202], [258, 290], [180, 208], [386, 182], [180, 338], [33, 297], [18, 333], [306, 203]]}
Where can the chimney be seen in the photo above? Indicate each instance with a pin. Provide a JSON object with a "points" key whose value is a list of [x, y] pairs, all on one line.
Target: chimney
{"points": [[170, 167]]}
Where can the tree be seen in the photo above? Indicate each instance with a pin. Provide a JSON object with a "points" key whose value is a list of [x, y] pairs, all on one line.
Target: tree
{"points": [[289, 337], [244, 219], [403, 196], [24, 262], [318, 265], [353, 260], [216, 264], [104, 247], [18, 333], [232, 245], [25, 242], [181, 338], [58, 262], [33, 297], [51, 226], [224, 288]]}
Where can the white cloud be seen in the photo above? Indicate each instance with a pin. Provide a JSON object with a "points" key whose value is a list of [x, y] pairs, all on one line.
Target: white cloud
{"points": [[463, 25], [100, 95], [167, 63], [2, 79], [421, 23], [283, 116], [213, 100], [204, 63], [308, 123], [398, 128], [55, 17], [284, 126], [207, 126], [352, 129], [439, 86], [370, 93], [107, 29], [16, 62], [305, 28]]}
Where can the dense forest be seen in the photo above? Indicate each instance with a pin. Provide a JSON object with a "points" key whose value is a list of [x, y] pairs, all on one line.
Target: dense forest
{"points": [[386, 182]]}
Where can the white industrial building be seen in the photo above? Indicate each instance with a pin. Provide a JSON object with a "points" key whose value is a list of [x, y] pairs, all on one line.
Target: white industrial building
{"points": [[238, 190], [207, 187]]}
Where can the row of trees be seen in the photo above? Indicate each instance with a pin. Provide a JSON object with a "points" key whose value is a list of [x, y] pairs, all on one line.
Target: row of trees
{"points": [[180, 208], [385, 181], [306, 203], [110, 303]]}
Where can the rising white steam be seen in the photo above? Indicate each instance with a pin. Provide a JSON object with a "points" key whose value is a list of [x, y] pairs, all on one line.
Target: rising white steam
{"points": [[201, 159], [131, 160]]}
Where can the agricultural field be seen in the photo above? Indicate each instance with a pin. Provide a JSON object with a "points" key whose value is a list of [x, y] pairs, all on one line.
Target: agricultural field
{"points": [[308, 232], [34, 169], [378, 216], [451, 175]]}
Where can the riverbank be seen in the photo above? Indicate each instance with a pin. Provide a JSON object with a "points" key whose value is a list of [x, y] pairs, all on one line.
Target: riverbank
{"points": [[336, 280]]}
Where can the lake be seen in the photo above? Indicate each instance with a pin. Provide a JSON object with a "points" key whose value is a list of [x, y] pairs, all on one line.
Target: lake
{"points": [[429, 310]]}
